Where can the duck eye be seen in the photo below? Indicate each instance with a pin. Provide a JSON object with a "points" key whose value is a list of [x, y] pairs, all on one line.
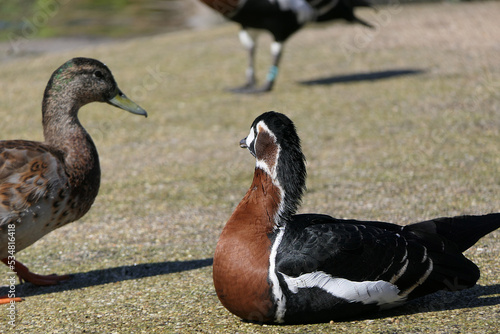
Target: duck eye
{"points": [[98, 74]]}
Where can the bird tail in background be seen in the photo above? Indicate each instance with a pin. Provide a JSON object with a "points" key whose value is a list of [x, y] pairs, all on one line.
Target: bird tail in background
{"points": [[340, 9]]}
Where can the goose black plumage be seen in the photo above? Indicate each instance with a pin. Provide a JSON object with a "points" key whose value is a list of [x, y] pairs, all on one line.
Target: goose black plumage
{"points": [[46, 185], [281, 18], [273, 265]]}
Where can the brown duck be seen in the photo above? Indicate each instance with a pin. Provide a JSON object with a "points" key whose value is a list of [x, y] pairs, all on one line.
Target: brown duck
{"points": [[46, 185]]}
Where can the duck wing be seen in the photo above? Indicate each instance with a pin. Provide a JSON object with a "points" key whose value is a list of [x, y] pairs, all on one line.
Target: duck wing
{"points": [[29, 174]]}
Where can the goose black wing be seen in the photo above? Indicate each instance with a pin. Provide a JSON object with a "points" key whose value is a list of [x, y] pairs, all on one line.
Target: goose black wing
{"points": [[350, 249], [417, 258]]}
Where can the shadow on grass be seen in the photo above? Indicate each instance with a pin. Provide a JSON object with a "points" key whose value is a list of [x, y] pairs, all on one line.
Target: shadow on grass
{"points": [[110, 275], [477, 296], [369, 76]]}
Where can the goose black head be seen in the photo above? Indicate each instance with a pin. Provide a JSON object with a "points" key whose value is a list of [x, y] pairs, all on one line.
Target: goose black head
{"points": [[274, 142]]}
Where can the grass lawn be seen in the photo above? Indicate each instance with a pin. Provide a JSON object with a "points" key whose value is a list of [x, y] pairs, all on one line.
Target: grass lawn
{"points": [[398, 123]]}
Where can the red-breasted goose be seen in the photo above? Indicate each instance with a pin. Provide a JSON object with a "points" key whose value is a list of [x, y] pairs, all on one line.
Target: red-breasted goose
{"points": [[275, 266]]}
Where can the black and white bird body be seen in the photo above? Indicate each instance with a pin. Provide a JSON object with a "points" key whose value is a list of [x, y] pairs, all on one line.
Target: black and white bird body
{"points": [[282, 18], [333, 268], [273, 265]]}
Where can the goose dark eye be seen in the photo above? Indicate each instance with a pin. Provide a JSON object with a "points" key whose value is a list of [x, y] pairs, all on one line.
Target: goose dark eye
{"points": [[98, 74]]}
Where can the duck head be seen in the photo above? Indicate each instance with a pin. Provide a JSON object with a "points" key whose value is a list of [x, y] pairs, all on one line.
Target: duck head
{"points": [[84, 80], [274, 143]]}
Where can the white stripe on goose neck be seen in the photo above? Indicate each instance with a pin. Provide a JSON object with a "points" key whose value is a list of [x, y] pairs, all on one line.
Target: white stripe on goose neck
{"points": [[278, 295]]}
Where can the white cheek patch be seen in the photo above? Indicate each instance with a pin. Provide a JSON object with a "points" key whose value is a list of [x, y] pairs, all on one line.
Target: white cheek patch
{"points": [[250, 138]]}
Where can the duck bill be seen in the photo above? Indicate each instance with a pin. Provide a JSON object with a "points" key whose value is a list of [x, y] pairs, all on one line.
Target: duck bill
{"points": [[243, 143], [123, 102]]}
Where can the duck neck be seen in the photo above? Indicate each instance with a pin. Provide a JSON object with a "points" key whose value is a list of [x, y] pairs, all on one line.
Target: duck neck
{"points": [[67, 137], [258, 211], [269, 197]]}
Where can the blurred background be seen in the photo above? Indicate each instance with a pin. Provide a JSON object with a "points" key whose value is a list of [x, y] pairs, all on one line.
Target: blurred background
{"points": [[33, 26], [100, 18], [399, 123], [106, 18], [70, 22], [95, 20]]}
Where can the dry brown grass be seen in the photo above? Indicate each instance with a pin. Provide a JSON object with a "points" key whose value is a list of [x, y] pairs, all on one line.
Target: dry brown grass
{"points": [[401, 148]]}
